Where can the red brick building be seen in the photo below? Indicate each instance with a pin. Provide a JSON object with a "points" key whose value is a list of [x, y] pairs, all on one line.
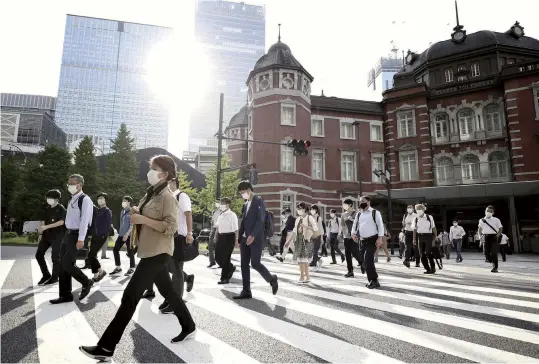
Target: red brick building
{"points": [[459, 131]]}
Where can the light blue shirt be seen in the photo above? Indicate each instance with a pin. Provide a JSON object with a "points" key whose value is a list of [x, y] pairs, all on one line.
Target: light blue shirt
{"points": [[364, 225], [125, 222], [77, 221]]}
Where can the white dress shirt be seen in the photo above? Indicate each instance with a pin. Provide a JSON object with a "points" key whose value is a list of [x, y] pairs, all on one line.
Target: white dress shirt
{"points": [[504, 239], [493, 221], [184, 205], [402, 237], [75, 220], [456, 232], [408, 220], [364, 225], [227, 222], [423, 226]]}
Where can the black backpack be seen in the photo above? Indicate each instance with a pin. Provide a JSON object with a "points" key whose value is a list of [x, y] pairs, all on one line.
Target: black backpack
{"points": [[269, 227], [373, 219], [428, 218], [91, 226]]}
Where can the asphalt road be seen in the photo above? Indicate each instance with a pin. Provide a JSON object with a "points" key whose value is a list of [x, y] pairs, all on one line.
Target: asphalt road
{"points": [[462, 314]]}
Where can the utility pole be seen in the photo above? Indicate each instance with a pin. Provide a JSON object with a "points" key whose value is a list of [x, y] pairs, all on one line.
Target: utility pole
{"points": [[219, 149]]}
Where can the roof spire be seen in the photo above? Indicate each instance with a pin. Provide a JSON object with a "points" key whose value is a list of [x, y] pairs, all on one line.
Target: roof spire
{"points": [[457, 12], [279, 39]]}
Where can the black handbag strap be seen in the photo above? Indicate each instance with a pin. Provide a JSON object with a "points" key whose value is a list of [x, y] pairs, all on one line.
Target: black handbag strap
{"points": [[486, 222]]}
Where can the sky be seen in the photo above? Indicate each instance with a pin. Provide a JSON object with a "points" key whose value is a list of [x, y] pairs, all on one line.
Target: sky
{"points": [[337, 41]]}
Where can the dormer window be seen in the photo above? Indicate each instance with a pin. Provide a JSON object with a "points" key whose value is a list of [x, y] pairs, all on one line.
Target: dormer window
{"points": [[475, 70], [449, 75]]}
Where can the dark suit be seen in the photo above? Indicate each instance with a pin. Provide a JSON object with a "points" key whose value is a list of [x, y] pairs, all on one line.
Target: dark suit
{"points": [[252, 224], [288, 228]]}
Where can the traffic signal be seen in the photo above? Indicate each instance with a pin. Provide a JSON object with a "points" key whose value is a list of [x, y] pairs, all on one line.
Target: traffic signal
{"points": [[299, 146]]}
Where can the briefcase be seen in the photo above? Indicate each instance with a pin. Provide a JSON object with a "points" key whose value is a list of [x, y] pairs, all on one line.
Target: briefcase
{"points": [[82, 254], [190, 251]]}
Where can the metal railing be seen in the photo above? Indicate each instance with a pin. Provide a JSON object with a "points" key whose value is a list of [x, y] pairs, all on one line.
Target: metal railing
{"points": [[472, 173]]}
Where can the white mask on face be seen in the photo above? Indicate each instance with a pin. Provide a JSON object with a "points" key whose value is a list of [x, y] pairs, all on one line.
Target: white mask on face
{"points": [[421, 212], [455, 224], [410, 210], [313, 212], [245, 195], [345, 207], [223, 207], [125, 204], [301, 212], [101, 201], [153, 177], [488, 214], [51, 201], [332, 215], [72, 189]]}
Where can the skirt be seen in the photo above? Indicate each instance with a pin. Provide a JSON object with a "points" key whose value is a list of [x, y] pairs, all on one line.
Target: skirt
{"points": [[303, 251]]}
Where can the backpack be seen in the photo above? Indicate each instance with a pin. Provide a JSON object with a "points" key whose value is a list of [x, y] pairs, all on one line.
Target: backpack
{"points": [[91, 225], [428, 218], [269, 227]]}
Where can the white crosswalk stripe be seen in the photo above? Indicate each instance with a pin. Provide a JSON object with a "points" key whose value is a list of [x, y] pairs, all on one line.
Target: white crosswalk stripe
{"points": [[437, 318]]}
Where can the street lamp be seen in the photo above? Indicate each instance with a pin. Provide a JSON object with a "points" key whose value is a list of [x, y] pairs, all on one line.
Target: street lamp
{"points": [[387, 180]]}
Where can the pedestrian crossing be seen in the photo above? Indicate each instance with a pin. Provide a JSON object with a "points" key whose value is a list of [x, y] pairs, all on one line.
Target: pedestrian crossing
{"points": [[412, 318]]}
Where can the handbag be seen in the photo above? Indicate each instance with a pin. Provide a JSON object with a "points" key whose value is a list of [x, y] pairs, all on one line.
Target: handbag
{"points": [[81, 254], [190, 251]]}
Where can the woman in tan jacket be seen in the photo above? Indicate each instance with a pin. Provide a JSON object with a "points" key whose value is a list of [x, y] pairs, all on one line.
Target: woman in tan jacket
{"points": [[154, 226]]}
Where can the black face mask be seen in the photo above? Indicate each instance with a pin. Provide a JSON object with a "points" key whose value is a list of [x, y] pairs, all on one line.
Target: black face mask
{"points": [[363, 205]]}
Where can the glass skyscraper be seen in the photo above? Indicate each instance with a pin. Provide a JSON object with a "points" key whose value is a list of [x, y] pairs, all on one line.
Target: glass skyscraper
{"points": [[103, 83], [233, 37]]}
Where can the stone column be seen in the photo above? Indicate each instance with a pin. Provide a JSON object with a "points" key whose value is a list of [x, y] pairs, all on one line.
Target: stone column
{"points": [[512, 232]]}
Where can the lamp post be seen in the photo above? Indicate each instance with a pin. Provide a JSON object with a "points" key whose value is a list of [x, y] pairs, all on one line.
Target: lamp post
{"points": [[387, 179]]}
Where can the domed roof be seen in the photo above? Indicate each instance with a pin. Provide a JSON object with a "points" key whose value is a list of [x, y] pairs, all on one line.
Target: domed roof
{"points": [[240, 119], [279, 55]]}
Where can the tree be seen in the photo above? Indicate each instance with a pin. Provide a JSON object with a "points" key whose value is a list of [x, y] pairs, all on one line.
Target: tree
{"points": [[11, 175], [229, 186], [50, 170], [86, 165]]}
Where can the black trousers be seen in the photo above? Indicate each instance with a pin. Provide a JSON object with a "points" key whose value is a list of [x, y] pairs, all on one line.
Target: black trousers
{"points": [[53, 242], [503, 250], [334, 246], [223, 252], [95, 247], [409, 242], [492, 246], [271, 249], [149, 270], [324, 247], [116, 251], [251, 254], [68, 269], [424, 242], [316, 242], [351, 249], [367, 249]]}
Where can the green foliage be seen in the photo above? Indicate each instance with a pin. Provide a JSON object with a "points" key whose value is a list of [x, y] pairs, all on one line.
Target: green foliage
{"points": [[185, 186], [9, 235], [11, 175], [86, 165], [32, 237], [229, 185]]}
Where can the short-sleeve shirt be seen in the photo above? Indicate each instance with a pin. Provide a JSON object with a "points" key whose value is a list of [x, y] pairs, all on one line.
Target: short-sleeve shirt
{"points": [[422, 224], [52, 215], [493, 221], [184, 205], [227, 222]]}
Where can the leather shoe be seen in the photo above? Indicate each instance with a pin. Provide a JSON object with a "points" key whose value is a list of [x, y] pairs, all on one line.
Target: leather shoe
{"points": [[373, 284], [232, 272], [60, 300], [224, 281], [243, 295], [274, 284], [190, 282], [86, 290]]}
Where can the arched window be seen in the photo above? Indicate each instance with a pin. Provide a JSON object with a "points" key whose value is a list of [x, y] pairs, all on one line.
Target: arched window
{"points": [[441, 125], [470, 168], [466, 121], [444, 169], [498, 165], [493, 118]]}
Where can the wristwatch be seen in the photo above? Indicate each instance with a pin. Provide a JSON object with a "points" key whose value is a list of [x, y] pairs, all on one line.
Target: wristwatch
{"points": [[190, 234]]}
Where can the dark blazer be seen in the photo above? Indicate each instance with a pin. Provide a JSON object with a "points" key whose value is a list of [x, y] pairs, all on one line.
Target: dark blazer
{"points": [[252, 222], [289, 225]]}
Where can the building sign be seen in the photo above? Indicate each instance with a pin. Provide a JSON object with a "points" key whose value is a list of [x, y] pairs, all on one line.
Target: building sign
{"points": [[464, 87]]}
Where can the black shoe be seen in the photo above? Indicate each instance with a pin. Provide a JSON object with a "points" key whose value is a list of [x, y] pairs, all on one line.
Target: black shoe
{"points": [[231, 272], [280, 259], [494, 270], [86, 290], [362, 269], [185, 335], [406, 263], [388, 259], [373, 284], [87, 266], [333, 263], [343, 258], [349, 275], [148, 294], [417, 265], [96, 353], [163, 305], [243, 295], [116, 270], [211, 265], [129, 272], [167, 310], [50, 281], [503, 260], [43, 280], [274, 284], [428, 272], [312, 264], [400, 256], [190, 282], [60, 300], [104, 257], [223, 281], [100, 276]]}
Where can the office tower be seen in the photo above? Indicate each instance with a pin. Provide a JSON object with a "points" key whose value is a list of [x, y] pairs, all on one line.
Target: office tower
{"points": [[103, 82], [233, 37]]}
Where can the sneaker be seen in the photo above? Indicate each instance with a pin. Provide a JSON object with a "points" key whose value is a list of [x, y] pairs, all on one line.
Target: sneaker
{"points": [[163, 305], [116, 270], [96, 353], [43, 280], [50, 281], [130, 271], [167, 310], [99, 276], [280, 259]]}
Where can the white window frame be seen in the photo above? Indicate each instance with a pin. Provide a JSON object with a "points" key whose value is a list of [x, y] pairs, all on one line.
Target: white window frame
{"points": [[401, 169], [536, 100], [375, 178], [379, 125], [287, 150], [317, 119], [448, 177], [462, 78], [293, 107], [449, 77], [352, 127], [497, 164], [462, 119], [468, 169], [440, 122], [323, 172], [354, 167], [489, 119], [475, 69], [292, 201], [400, 118]]}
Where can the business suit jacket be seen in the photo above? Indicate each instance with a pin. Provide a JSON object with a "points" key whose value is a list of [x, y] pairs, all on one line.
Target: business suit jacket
{"points": [[252, 222]]}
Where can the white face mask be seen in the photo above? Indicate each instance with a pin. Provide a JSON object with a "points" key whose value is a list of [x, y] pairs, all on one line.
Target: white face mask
{"points": [[421, 212], [332, 215], [223, 207], [153, 177], [72, 189], [301, 212], [455, 224], [345, 207], [488, 214], [51, 201], [410, 210], [101, 201], [125, 204], [245, 195], [313, 212], [217, 204]]}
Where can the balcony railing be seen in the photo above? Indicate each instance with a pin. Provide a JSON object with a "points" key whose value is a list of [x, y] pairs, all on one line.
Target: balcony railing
{"points": [[475, 135], [472, 173]]}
